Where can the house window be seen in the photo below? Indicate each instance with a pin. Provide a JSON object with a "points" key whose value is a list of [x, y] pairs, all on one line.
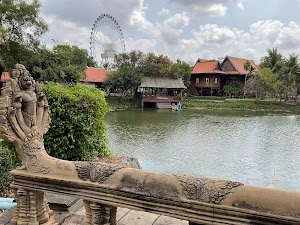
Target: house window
{"points": [[197, 80], [216, 80], [207, 80]]}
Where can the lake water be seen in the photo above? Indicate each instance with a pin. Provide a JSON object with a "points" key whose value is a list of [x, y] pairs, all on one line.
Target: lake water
{"points": [[256, 149]]}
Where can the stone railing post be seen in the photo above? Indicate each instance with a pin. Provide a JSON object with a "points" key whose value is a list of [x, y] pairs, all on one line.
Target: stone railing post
{"points": [[100, 214], [31, 209], [14, 220]]}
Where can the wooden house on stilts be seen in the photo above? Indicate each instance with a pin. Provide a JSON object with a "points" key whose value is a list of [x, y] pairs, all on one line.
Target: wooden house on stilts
{"points": [[161, 92]]}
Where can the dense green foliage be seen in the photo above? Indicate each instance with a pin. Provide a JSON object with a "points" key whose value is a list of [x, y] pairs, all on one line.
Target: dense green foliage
{"points": [[77, 129], [131, 67], [182, 70], [20, 28], [283, 77], [64, 63], [127, 76], [8, 162], [232, 89]]}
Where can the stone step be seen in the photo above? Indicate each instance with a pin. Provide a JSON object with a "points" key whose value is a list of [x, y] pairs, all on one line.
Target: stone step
{"points": [[164, 105]]}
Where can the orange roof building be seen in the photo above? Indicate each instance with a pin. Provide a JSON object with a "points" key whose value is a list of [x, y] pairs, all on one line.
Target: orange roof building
{"points": [[5, 76], [209, 76], [94, 76]]}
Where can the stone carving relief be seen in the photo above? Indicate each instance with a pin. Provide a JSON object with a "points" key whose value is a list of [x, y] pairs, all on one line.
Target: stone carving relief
{"points": [[206, 190], [95, 172]]}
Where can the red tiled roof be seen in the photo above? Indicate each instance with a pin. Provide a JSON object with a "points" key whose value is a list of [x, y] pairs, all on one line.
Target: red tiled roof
{"points": [[5, 76], [94, 75], [206, 66], [238, 64]]}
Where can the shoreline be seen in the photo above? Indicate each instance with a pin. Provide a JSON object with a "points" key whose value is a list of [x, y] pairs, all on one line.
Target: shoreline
{"points": [[252, 105]]}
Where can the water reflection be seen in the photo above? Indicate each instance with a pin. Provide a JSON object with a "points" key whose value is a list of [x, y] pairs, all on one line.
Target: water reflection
{"points": [[257, 149]]}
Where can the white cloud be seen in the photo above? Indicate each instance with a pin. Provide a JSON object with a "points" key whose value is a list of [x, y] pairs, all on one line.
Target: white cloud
{"points": [[289, 37], [266, 29], [164, 12], [209, 7], [172, 27], [239, 3], [213, 41], [66, 32], [212, 34], [142, 44], [138, 20]]}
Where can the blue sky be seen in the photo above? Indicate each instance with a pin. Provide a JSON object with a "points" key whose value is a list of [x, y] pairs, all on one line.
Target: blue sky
{"points": [[183, 29]]}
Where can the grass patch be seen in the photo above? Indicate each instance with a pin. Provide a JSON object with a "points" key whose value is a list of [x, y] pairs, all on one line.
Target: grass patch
{"points": [[118, 103], [242, 104]]}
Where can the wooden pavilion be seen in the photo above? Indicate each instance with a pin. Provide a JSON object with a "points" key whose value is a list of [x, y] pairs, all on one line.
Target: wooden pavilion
{"points": [[161, 92]]}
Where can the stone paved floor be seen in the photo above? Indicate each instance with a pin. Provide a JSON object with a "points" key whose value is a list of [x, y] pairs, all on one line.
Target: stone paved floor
{"points": [[128, 217]]}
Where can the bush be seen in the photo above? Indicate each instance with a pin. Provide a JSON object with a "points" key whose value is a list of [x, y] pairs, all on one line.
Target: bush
{"points": [[8, 162], [77, 129], [232, 89]]}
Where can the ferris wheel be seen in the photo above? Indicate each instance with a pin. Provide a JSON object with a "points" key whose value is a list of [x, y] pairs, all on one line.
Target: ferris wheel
{"points": [[106, 40]]}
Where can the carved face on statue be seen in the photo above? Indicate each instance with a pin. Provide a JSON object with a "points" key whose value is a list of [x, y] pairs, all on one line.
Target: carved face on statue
{"points": [[34, 145], [26, 82]]}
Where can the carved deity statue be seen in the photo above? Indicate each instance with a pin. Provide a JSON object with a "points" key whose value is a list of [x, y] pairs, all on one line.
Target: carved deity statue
{"points": [[25, 115]]}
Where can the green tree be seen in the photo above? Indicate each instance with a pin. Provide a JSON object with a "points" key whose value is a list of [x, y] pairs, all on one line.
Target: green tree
{"points": [[132, 59], [77, 129], [127, 76], [182, 70], [20, 28], [127, 73], [232, 89], [273, 60], [269, 82], [156, 66], [291, 68], [249, 68], [63, 63]]}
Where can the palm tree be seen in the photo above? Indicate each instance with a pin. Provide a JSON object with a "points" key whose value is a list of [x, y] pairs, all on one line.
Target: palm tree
{"points": [[292, 70], [273, 60]]}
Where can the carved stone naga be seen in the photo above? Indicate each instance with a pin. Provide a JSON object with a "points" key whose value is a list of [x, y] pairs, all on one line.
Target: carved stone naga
{"points": [[25, 118]]}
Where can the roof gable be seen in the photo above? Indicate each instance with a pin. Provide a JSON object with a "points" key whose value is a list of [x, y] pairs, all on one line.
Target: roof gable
{"points": [[233, 65], [94, 75], [206, 66]]}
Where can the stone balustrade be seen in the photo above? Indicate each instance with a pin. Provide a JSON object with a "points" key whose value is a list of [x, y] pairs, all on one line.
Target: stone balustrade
{"points": [[244, 205]]}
